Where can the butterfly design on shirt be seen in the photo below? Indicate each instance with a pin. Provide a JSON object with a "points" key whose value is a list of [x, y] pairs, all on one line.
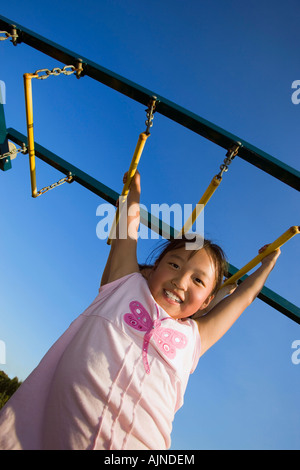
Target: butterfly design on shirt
{"points": [[167, 339]]}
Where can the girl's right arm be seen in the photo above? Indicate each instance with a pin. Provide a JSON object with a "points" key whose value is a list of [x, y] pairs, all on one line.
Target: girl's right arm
{"points": [[122, 258]]}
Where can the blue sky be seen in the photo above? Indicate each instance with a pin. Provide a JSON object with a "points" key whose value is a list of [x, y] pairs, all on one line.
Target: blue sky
{"points": [[233, 64]]}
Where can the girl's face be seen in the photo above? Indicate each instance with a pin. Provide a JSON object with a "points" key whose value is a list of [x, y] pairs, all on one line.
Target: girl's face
{"points": [[182, 285]]}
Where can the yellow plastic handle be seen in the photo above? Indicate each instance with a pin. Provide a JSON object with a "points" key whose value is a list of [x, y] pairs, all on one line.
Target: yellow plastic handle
{"points": [[131, 172], [291, 232], [30, 135], [215, 182]]}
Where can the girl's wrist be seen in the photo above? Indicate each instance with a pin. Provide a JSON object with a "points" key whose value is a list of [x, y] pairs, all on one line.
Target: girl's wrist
{"points": [[271, 259]]}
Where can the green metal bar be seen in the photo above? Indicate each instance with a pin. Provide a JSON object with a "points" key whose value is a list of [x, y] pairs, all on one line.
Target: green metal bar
{"points": [[5, 164], [273, 299], [111, 196], [197, 124], [281, 304]]}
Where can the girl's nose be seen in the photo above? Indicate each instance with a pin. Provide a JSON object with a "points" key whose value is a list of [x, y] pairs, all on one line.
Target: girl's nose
{"points": [[180, 282]]}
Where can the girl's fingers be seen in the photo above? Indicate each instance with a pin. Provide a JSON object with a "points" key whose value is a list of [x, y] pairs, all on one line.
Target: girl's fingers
{"points": [[135, 182], [262, 249]]}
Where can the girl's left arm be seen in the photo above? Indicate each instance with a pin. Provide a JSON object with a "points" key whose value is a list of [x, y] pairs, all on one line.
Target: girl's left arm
{"points": [[220, 319]]}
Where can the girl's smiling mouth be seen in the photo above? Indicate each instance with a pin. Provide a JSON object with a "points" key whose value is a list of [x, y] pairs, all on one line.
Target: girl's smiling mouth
{"points": [[172, 297]]}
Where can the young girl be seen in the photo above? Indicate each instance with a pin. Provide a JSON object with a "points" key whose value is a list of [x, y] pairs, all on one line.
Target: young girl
{"points": [[116, 377]]}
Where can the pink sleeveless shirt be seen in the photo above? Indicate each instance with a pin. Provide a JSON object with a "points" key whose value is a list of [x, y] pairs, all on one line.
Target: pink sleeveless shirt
{"points": [[114, 379]]}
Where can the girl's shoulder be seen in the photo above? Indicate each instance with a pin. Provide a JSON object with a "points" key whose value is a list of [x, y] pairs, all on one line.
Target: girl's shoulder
{"points": [[113, 285]]}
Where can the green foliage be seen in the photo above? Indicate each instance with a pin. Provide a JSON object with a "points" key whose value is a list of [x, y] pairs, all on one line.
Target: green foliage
{"points": [[7, 387]]}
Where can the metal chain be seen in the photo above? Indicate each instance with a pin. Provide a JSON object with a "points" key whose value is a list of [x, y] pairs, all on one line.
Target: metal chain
{"points": [[13, 35], [7, 35], [150, 111], [67, 179], [232, 152], [45, 73], [24, 150], [14, 151]]}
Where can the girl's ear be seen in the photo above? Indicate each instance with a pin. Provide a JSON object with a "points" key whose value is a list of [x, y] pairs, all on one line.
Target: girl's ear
{"points": [[213, 300], [146, 272], [207, 302]]}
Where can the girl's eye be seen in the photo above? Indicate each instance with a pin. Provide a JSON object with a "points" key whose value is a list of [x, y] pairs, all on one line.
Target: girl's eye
{"points": [[174, 265], [198, 281]]}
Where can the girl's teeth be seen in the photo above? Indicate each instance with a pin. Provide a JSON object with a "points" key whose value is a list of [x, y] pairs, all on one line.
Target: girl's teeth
{"points": [[173, 296]]}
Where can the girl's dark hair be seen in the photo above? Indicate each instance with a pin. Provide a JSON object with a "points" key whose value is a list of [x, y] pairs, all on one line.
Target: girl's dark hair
{"points": [[215, 252]]}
